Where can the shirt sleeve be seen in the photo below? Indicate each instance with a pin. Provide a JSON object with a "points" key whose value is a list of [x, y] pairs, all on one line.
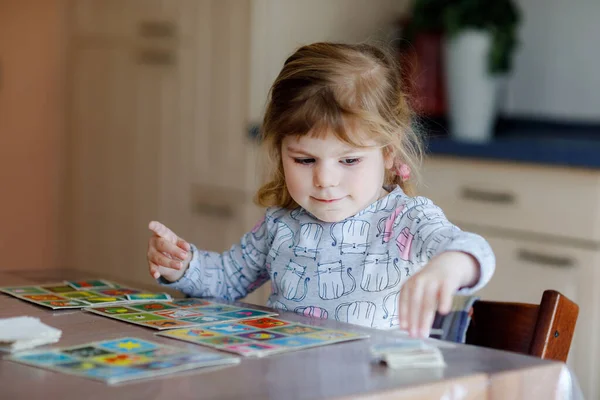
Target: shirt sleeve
{"points": [[424, 232], [230, 275]]}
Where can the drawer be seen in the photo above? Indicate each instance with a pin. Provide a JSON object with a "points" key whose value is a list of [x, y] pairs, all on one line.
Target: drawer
{"points": [[525, 268], [546, 200]]}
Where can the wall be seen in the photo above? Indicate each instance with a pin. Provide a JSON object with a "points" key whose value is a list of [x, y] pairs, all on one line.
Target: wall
{"points": [[32, 132], [556, 68], [278, 27]]}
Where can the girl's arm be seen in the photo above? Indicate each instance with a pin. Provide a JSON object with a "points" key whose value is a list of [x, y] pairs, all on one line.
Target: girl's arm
{"points": [[430, 234], [229, 275], [452, 261]]}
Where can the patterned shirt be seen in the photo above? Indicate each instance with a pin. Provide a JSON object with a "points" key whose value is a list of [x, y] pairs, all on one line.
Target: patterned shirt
{"points": [[351, 270]]}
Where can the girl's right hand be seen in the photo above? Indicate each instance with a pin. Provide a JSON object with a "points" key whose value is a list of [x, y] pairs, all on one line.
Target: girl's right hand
{"points": [[168, 255]]}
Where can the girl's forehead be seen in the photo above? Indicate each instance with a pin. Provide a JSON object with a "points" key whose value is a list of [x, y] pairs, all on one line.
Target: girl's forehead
{"points": [[328, 143]]}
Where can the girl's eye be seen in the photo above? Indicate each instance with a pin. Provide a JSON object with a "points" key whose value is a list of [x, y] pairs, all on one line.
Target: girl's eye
{"points": [[304, 161], [350, 161]]}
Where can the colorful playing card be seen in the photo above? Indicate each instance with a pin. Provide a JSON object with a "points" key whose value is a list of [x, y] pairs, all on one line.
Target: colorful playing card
{"points": [[148, 296], [153, 306], [168, 324], [177, 313], [205, 319], [190, 302], [58, 288], [141, 317], [89, 284], [229, 328], [127, 345], [43, 297], [23, 290], [65, 304], [246, 313], [264, 323], [116, 310], [261, 336], [71, 294], [117, 292], [121, 360]]}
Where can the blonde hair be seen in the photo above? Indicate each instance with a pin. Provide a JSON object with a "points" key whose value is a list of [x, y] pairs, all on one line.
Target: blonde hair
{"points": [[327, 87]]}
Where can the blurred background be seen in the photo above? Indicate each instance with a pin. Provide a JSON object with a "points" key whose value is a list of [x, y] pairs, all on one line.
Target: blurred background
{"points": [[117, 112]]}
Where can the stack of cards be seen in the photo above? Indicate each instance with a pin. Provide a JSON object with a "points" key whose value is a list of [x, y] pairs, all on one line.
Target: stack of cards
{"points": [[20, 333], [408, 353]]}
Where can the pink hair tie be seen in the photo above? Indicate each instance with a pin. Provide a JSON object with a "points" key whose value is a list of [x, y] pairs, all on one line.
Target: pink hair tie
{"points": [[403, 171]]}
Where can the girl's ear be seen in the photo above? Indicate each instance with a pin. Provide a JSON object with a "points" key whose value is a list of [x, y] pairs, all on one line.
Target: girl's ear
{"points": [[388, 158]]}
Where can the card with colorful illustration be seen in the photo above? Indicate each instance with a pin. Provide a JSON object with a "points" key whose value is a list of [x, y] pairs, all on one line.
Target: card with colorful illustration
{"points": [[260, 337], [178, 313], [149, 297], [122, 360], [72, 294]]}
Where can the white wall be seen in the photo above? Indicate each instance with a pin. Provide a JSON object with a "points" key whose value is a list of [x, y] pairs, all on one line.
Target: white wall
{"points": [[557, 68], [280, 26]]}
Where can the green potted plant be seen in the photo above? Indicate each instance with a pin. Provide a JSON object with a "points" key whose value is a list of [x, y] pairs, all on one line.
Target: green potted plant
{"points": [[480, 39]]}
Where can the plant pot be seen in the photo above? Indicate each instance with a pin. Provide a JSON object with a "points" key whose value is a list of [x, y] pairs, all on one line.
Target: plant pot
{"points": [[470, 89]]}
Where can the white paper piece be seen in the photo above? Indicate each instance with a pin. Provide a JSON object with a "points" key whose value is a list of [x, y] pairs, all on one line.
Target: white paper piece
{"points": [[20, 333]]}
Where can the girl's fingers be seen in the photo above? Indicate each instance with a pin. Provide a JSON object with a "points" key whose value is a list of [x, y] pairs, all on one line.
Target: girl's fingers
{"points": [[182, 244], [154, 271], [163, 232], [163, 261], [445, 305], [428, 308], [416, 299], [169, 249], [403, 306]]}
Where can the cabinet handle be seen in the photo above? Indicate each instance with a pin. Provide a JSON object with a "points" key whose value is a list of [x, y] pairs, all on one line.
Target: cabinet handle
{"points": [[157, 29], [487, 196], [214, 210], [156, 57], [544, 259]]}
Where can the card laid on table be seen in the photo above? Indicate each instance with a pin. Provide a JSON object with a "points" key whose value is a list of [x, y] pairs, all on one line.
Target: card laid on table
{"points": [[123, 359]]}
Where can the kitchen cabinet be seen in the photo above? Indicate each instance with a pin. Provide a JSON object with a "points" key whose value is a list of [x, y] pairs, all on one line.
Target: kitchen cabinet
{"points": [[157, 128], [542, 223]]}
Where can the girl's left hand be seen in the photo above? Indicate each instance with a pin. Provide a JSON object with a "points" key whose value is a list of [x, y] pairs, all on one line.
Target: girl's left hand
{"points": [[432, 289]]}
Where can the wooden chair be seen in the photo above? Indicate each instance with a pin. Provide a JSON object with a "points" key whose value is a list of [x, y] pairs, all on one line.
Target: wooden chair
{"points": [[543, 330]]}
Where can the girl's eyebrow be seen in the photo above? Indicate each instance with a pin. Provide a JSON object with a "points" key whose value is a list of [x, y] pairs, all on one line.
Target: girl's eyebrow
{"points": [[292, 149], [344, 152]]}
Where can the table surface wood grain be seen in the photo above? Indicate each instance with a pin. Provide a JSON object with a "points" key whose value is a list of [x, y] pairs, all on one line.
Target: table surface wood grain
{"points": [[338, 371]]}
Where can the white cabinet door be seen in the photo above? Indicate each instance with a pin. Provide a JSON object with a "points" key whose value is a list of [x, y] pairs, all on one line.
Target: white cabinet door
{"points": [[525, 268]]}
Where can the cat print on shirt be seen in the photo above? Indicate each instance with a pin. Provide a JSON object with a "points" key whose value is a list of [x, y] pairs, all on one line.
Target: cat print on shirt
{"points": [[386, 204], [283, 234], [257, 233], [390, 309], [291, 280], [277, 304], [331, 282], [376, 273], [385, 226], [252, 255], [404, 243], [309, 240], [312, 311], [354, 237], [357, 312]]}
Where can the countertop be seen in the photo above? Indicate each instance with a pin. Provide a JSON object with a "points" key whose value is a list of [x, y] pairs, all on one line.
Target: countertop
{"points": [[539, 142]]}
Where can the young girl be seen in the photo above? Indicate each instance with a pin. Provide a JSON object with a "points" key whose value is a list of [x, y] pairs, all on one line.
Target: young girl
{"points": [[342, 237]]}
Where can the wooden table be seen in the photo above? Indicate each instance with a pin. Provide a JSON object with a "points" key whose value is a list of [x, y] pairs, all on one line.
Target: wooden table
{"points": [[341, 370]]}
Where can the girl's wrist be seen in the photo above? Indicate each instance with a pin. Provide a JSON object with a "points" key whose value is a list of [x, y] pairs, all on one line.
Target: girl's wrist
{"points": [[470, 271]]}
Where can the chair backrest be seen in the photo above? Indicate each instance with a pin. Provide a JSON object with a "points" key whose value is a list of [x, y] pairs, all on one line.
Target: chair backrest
{"points": [[543, 330]]}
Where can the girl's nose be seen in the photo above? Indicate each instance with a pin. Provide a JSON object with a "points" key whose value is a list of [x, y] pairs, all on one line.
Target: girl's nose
{"points": [[325, 176]]}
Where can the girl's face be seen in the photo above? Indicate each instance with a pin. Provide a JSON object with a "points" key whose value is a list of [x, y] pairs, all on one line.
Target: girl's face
{"points": [[331, 179]]}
